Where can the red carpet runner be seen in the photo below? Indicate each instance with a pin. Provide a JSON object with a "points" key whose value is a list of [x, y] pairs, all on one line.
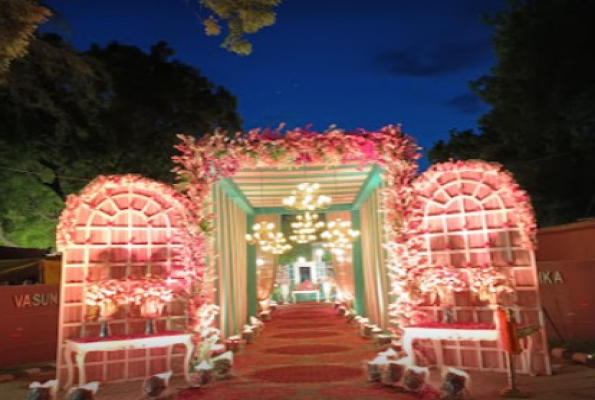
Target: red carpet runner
{"points": [[305, 353]]}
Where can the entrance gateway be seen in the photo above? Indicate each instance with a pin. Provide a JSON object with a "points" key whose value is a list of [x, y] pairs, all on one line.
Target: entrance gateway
{"points": [[458, 218]]}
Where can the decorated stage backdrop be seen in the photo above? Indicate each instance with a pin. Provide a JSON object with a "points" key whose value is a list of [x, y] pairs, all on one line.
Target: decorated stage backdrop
{"points": [[457, 239]]}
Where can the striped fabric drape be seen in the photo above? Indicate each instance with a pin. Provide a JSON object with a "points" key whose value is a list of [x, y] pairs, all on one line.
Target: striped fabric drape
{"points": [[231, 263], [376, 284], [267, 272], [343, 270]]}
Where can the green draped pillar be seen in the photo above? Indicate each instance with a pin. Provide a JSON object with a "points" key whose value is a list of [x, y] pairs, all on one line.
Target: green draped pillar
{"points": [[251, 278], [358, 270]]}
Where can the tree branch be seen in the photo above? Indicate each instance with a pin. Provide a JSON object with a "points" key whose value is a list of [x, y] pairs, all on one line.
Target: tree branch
{"points": [[54, 185]]}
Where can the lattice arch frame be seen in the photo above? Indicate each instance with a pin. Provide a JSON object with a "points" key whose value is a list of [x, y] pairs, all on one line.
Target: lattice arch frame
{"points": [[474, 214], [119, 227]]}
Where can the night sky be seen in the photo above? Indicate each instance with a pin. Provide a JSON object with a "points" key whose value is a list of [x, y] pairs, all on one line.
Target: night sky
{"points": [[352, 63]]}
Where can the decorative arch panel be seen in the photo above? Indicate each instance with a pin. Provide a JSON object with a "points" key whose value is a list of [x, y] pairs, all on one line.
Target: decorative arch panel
{"points": [[475, 217], [120, 228]]}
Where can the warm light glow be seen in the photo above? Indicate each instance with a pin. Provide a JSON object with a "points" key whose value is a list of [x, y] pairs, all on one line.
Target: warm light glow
{"points": [[277, 244], [259, 262], [339, 236], [268, 240], [305, 198], [305, 228], [302, 238], [262, 233]]}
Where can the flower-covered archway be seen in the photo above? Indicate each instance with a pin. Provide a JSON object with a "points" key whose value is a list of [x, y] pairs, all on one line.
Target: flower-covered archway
{"points": [[203, 162], [126, 239], [467, 246]]}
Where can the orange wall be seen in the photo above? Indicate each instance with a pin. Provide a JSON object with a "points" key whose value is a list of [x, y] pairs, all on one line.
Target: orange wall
{"points": [[568, 296], [28, 324]]}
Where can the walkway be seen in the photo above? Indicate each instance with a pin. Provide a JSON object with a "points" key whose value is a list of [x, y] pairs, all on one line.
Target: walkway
{"points": [[305, 352]]}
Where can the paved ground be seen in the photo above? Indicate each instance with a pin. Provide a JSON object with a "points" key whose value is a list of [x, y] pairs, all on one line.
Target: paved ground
{"points": [[569, 382]]}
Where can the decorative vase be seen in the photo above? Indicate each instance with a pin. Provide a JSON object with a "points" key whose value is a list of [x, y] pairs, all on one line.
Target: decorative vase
{"points": [[150, 327], [285, 292], [104, 328], [327, 288], [447, 301], [448, 316], [151, 308]]}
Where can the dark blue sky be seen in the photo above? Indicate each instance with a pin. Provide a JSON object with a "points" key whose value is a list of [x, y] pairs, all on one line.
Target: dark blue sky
{"points": [[353, 63]]}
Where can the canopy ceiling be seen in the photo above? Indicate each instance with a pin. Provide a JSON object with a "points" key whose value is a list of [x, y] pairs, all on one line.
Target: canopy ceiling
{"points": [[266, 187]]}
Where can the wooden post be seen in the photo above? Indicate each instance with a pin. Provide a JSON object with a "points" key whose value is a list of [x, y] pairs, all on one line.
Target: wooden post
{"points": [[512, 347]]}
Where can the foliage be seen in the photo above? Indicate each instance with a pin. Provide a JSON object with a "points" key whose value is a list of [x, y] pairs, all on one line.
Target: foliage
{"points": [[241, 17], [542, 91], [20, 19], [18, 22], [68, 116], [48, 112], [28, 210], [152, 98]]}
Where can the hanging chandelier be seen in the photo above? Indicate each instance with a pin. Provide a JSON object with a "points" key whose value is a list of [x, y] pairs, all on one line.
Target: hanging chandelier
{"points": [[306, 227], [305, 198], [307, 223], [303, 238], [339, 236], [262, 234], [278, 245]]}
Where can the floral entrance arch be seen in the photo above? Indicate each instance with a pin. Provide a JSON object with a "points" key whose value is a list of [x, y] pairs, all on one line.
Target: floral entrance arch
{"points": [[203, 162], [118, 213], [468, 247]]}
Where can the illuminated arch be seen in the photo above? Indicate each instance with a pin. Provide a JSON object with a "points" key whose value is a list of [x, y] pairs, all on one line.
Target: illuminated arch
{"points": [[473, 214], [119, 227]]}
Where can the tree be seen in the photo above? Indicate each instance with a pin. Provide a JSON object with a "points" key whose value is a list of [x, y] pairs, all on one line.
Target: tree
{"points": [[542, 91], [49, 114], [18, 22], [152, 98], [242, 18], [20, 18], [68, 116]]}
